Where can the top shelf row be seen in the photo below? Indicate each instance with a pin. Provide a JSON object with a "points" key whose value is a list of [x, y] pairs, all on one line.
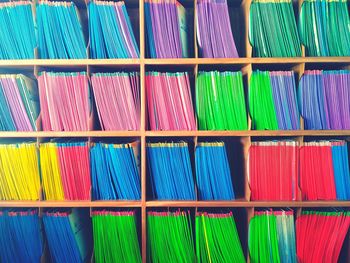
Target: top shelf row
{"points": [[168, 29]]}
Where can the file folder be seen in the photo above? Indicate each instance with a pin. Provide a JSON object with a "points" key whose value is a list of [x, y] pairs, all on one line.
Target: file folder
{"points": [[115, 237]]}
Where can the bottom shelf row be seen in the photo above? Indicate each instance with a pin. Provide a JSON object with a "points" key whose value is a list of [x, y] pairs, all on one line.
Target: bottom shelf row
{"points": [[179, 235]]}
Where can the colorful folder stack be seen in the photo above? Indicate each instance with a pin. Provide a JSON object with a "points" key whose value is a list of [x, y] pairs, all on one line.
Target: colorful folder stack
{"points": [[111, 34], [19, 102], [324, 99], [64, 101], [115, 237], [220, 101], [273, 30], [273, 170], [17, 33], [68, 235], [117, 97], [166, 29], [65, 170], [213, 172], [214, 33], [21, 237], [217, 238], [169, 101], [170, 171], [114, 171], [273, 101], [170, 237], [272, 237], [324, 170], [20, 179], [320, 235], [60, 35], [324, 28]]}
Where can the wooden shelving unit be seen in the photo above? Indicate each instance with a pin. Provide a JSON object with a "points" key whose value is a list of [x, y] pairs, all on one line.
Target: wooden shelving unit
{"points": [[246, 64]]}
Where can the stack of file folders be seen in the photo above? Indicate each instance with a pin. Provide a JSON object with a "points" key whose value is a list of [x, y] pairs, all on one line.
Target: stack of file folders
{"points": [[169, 101], [170, 171], [220, 101], [20, 179], [115, 171], [21, 238], [17, 33], [166, 29], [213, 172], [170, 237], [324, 99], [111, 34], [60, 34], [321, 235], [65, 170], [19, 102], [217, 238], [117, 98], [115, 237], [272, 237], [324, 28], [68, 235], [64, 101], [324, 170], [273, 30], [273, 101], [214, 33], [273, 170]]}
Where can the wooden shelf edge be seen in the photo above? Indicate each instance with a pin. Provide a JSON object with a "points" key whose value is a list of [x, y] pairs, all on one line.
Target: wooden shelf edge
{"points": [[240, 203], [49, 204], [170, 61], [48, 134]]}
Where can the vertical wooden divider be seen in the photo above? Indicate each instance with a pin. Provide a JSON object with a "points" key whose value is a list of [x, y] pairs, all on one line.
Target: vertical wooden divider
{"points": [[143, 133], [248, 48], [250, 214], [300, 2]]}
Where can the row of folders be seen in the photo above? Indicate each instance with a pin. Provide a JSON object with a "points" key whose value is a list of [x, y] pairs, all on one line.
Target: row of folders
{"points": [[275, 170], [65, 101], [273, 236], [57, 31]]}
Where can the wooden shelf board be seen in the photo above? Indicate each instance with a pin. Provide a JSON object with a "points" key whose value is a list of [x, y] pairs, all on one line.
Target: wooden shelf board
{"points": [[178, 61], [247, 133], [70, 203], [242, 203]]}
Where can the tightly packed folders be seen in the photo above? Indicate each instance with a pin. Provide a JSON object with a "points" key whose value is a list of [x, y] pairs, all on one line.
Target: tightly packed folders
{"points": [[20, 179], [21, 237], [166, 29], [170, 237], [68, 235], [115, 171], [65, 171], [117, 98], [64, 101], [273, 101], [60, 35], [111, 34], [324, 27], [324, 99], [320, 235], [170, 171], [271, 237], [213, 174], [115, 237], [220, 101], [17, 30], [273, 170], [273, 30], [217, 238], [324, 170], [214, 33], [169, 101], [19, 103]]}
